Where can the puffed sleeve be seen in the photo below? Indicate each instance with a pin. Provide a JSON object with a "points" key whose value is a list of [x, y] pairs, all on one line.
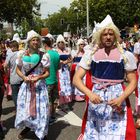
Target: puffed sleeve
{"points": [[45, 60], [136, 48], [19, 58], [86, 60], [73, 53], [130, 64]]}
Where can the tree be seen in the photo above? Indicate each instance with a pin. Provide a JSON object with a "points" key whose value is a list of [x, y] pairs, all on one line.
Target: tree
{"points": [[124, 13], [17, 10]]}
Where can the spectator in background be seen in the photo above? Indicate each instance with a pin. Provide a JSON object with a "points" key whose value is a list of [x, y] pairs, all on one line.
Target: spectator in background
{"points": [[10, 64]]}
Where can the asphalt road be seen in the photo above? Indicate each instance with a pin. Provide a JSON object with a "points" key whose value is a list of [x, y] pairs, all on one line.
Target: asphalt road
{"points": [[67, 126]]}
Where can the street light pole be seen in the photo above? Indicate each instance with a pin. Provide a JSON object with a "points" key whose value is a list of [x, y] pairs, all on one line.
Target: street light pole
{"points": [[87, 17]]}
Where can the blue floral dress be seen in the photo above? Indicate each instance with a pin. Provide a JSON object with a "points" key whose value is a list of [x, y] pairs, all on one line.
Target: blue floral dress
{"points": [[64, 82], [38, 119], [102, 121]]}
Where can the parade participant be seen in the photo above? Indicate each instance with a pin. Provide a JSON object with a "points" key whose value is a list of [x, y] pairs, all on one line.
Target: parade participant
{"points": [[51, 38], [65, 89], [137, 92], [20, 42], [5, 53], [108, 114], [10, 64], [33, 102], [2, 88], [51, 81], [77, 54]]}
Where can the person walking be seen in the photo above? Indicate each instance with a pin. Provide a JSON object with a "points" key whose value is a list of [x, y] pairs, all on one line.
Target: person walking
{"points": [[77, 55], [33, 102], [137, 92], [10, 64], [108, 113], [2, 89], [64, 83], [51, 81]]}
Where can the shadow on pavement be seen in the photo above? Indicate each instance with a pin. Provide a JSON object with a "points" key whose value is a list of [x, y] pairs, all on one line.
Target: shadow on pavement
{"points": [[55, 129]]}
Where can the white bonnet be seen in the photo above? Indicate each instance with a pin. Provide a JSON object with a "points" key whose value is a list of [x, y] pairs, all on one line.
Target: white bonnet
{"points": [[31, 34], [80, 41], [50, 36], [16, 38], [60, 38], [106, 23]]}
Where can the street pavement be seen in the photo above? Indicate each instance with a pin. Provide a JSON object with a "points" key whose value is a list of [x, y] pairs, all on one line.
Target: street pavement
{"points": [[67, 126]]}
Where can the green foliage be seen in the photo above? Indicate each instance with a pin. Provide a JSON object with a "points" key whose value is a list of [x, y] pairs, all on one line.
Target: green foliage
{"points": [[123, 12], [25, 14], [16, 11]]}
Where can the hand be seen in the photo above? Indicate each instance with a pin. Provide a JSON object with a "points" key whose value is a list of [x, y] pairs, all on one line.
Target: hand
{"points": [[69, 60], [96, 99], [26, 79], [114, 103], [34, 79]]}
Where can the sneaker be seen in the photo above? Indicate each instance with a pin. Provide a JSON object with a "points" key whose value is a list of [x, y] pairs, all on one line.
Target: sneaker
{"points": [[52, 120], [9, 97], [22, 134], [1, 132]]}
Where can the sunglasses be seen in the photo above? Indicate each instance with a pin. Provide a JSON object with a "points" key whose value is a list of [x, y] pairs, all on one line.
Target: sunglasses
{"points": [[82, 44], [60, 42]]}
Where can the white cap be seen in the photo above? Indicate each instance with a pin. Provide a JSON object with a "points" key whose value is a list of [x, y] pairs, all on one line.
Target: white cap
{"points": [[50, 36], [60, 38], [31, 34], [16, 38], [94, 29], [106, 23], [80, 41]]}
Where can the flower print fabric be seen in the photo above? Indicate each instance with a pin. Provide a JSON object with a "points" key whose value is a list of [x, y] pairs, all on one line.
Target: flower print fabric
{"points": [[38, 123]]}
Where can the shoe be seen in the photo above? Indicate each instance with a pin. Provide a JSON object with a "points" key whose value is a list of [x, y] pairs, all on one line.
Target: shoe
{"points": [[22, 134], [45, 138], [52, 120], [9, 97], [1, 132]]}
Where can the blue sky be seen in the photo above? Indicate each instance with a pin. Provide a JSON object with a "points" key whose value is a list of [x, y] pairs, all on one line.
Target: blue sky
{"points": [[51, 6]]}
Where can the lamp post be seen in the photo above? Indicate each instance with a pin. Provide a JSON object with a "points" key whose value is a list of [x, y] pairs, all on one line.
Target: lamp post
{"points": [[87, 7], [77, 18]]}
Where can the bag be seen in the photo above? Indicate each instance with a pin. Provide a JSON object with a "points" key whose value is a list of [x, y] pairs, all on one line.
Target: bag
{"points": [[28, 72]]}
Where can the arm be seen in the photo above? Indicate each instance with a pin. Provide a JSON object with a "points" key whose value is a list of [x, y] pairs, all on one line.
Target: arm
{"points": [[136, 55], [77, 81], [20, 74], [32, 79], [42, 76]]}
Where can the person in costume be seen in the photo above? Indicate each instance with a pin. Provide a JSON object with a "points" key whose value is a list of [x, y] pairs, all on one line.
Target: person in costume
{"points": [[33, 102], [77, 55], [2, 88], [137, 92], [64, 83], [108, 114]]}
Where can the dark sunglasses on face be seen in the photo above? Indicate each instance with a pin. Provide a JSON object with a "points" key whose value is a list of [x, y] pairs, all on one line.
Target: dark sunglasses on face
{"points": [[82, 44], [60, 42]]}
